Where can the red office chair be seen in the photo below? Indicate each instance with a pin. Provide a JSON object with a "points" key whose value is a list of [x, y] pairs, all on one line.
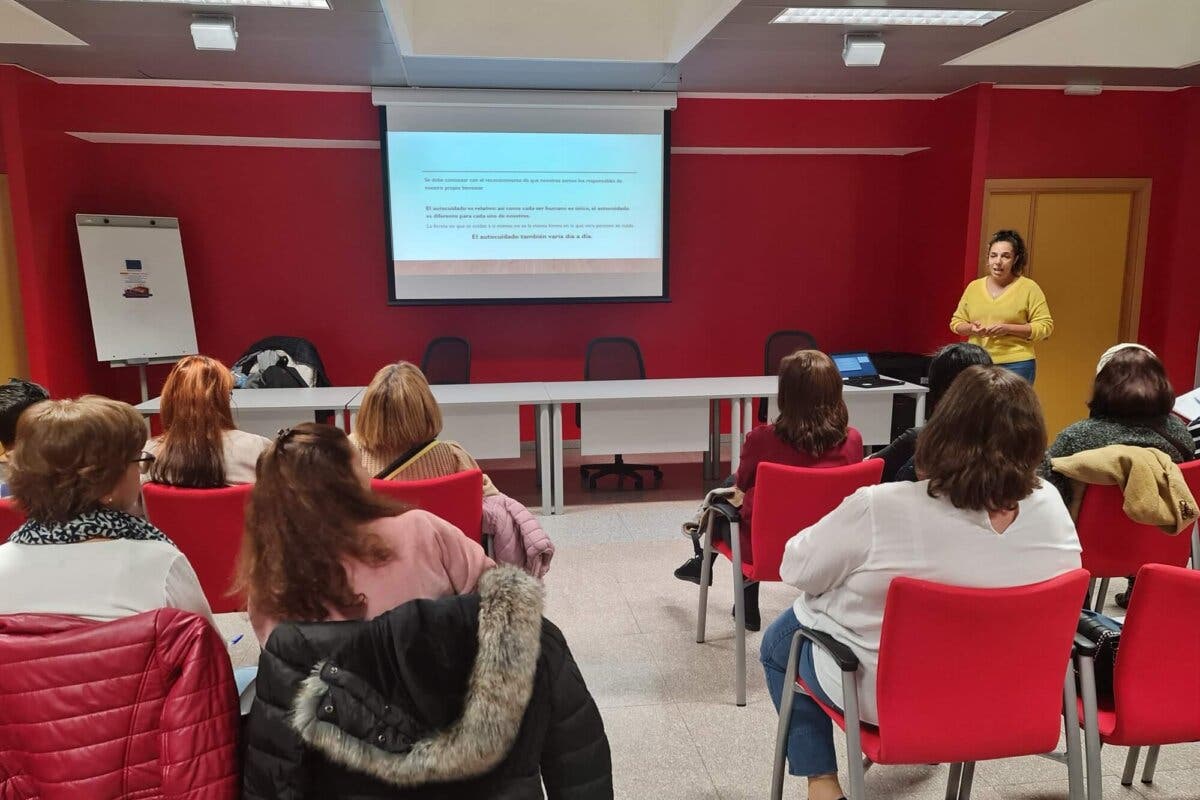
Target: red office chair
{"points": [[946, 691], [786, 501], [11, 517], [456, 498], [206, 525], [1115, 546], [1156, 686]]}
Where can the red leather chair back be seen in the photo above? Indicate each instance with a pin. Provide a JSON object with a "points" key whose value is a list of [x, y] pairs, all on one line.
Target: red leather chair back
{"points": [[11, 517], [1115, 546], [974, 674], [143, 706], [206, 525], [456, 498], [1156, 681], [789, 499]]}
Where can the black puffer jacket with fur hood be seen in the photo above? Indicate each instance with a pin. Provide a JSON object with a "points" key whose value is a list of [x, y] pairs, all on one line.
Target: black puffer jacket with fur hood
{"points": [[474, 696]]}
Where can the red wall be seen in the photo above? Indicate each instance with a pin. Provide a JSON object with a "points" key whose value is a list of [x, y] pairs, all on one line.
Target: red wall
{"points": [[864, 251]]}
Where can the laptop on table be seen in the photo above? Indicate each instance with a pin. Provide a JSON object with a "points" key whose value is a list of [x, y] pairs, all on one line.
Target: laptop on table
{"points": [[858, 370]]}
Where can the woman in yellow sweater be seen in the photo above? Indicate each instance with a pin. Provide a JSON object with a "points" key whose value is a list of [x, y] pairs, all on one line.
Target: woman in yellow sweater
{"points": [[1004, 312]]}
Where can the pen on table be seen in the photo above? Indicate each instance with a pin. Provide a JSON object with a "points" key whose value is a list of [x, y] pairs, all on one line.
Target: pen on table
{"points": [[236, 639]]}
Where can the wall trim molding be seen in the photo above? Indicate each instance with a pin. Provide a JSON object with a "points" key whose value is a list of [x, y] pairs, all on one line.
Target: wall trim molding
{"points": [[200, 140], [795, 151]]}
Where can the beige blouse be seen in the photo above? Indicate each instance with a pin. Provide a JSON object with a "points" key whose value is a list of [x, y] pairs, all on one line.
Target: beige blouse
{"points": [[444, 458], [240, 451]]}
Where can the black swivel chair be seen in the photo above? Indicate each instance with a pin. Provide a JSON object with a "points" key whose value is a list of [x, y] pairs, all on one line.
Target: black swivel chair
{"points": [[780, 345], [447, 359], [614, 358]]}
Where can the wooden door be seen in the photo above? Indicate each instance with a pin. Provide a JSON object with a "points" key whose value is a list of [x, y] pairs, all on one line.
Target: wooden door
{"points": [[1086, 241], [12, 336]]}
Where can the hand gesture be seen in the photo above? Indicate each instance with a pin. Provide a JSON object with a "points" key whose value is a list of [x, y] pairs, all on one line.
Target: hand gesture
{"points": [[995, 329]]}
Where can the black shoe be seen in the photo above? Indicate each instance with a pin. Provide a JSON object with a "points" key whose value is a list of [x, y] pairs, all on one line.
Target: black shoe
{"points": [[753, 619], [1122, 598], [690, 570]]}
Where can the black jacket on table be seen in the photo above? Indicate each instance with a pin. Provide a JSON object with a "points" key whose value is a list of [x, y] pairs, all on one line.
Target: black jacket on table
{"points": [[474, 696]]}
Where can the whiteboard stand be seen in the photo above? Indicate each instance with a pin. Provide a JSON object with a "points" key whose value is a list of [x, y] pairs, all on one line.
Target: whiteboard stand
{"points": [[141, 364], [137, 290]]}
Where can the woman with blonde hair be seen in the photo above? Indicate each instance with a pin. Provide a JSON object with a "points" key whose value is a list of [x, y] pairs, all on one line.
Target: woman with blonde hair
{"points": [[397, 428], [76, 475], [200, 447], [319, 545]]}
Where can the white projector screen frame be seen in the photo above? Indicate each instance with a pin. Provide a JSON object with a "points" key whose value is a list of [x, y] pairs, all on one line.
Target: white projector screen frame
{"points": [[442, 111]]}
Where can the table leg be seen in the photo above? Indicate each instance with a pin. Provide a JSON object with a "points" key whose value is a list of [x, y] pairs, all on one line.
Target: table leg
{"points": [[747, 415], [545, 466], [560, 478], [920, 419], [735, 434], [712, 459]]}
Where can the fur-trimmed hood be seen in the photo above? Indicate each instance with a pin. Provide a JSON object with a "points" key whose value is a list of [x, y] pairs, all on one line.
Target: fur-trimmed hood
{"points": [[368, 708]]}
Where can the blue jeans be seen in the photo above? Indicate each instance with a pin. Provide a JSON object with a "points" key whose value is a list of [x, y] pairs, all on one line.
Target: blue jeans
{"points": [[1026, 369], [810, 734]]}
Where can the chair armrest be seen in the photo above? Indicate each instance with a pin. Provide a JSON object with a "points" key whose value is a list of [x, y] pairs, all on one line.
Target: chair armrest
{"points": [[1093, 630], [727, 510], [842, 655]]}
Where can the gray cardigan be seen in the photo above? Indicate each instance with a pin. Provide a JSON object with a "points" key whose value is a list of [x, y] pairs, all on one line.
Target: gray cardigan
{"points": [[1167, 434]]}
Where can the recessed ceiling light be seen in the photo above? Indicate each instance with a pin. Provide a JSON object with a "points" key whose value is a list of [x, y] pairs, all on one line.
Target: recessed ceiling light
{"points": [[887, 16], [214, 33], [862, 50], [321, 4]]}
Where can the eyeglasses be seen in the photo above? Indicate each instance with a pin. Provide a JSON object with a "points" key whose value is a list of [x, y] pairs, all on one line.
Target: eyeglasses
{"points": [[143, 461]]}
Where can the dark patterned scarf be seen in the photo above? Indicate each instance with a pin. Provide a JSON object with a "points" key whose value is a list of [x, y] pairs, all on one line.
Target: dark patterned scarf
{"points": [[103, 523]]}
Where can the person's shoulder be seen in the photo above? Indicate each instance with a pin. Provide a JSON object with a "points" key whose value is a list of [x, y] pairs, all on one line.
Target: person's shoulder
{"points": [[853, 436], [413, 525], [246, 439], [1028, 284]]}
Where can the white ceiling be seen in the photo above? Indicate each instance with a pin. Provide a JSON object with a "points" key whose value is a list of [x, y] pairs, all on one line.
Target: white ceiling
{"points": [[1148, 34], [615, 30], [19, 25], [701, 46]]}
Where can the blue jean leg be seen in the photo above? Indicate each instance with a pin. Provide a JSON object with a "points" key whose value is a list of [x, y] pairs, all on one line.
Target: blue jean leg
{"points": [[1026, 369], [810, 734]]}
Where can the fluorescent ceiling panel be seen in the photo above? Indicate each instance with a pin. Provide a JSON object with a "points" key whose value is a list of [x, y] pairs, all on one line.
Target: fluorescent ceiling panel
{"points": [[887, 16], [321, 4]]}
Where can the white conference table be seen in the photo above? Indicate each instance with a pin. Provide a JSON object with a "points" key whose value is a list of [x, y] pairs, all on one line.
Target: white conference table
{"points": [[670, 415], [655, 415]]}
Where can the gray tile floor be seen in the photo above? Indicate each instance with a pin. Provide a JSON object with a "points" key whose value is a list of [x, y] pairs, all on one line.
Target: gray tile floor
{"points": [[668, 703]]}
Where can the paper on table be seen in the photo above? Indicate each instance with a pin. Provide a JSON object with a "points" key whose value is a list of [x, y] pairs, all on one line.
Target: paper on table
{"points": [[244, 678], [1188, 405]]}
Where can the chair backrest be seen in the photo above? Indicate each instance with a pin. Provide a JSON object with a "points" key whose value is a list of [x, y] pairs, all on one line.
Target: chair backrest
{"points": [[456, 498], [1114, 545], [143, 706], [206, 525], [299, 348], [1156, 681], [11, 517], [781, 344], [974, 674], [789, 499], [613, 358], [447, 359]]}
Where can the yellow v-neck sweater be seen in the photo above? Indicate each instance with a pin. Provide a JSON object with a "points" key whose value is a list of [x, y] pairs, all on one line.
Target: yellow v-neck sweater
{"points": [[1022, 302]]}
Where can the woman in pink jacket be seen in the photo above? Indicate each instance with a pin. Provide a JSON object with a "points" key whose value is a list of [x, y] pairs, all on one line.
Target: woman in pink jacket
{"points": [[320, 546]]}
